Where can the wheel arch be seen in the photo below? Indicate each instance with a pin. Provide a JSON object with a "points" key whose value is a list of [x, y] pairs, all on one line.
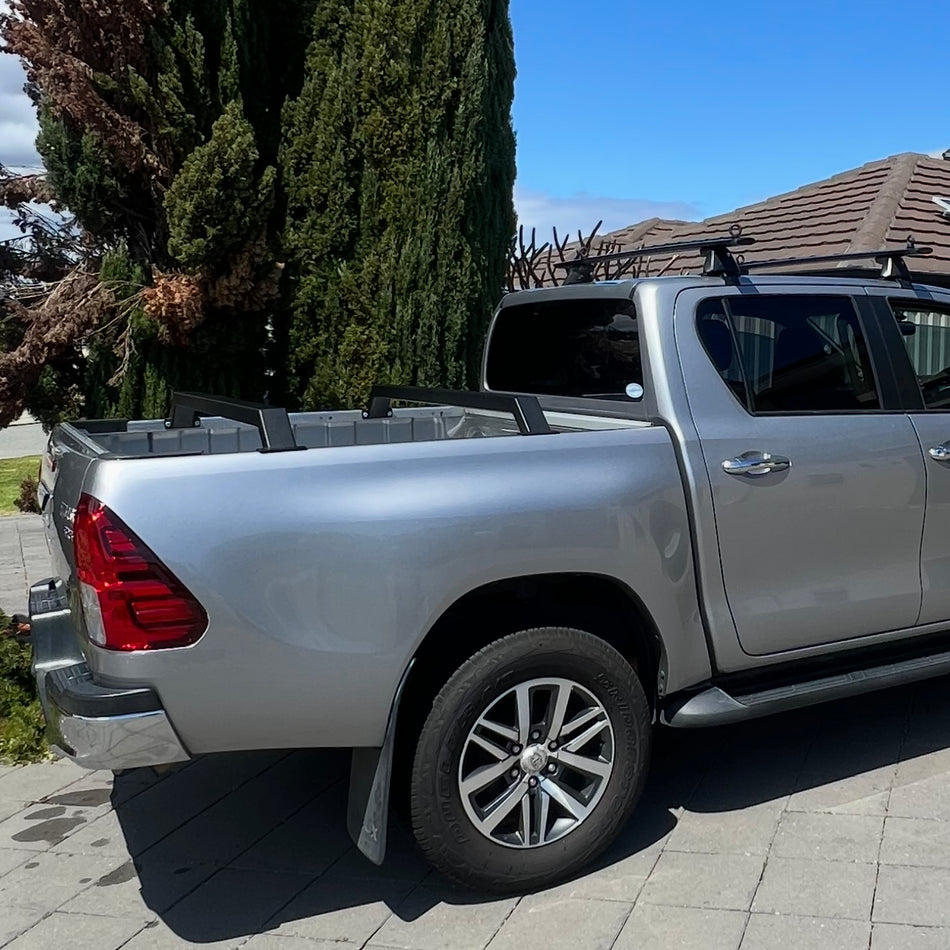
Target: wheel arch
{"points": [[599, 604]]}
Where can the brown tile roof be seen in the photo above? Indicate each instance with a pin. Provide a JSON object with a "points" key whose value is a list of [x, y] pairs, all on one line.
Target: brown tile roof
{"points": [[875, 206]]}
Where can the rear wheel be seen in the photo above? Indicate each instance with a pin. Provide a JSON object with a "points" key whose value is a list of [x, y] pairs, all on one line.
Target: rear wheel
{"points": [[531, 760]]}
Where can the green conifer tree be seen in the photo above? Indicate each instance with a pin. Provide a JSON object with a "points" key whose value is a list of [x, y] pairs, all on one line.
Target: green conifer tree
{"points": [[398, 162]]}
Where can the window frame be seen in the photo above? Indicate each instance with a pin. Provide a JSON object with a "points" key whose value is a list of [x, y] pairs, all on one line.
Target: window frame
{"points": [[903, 366], [890, 397]]}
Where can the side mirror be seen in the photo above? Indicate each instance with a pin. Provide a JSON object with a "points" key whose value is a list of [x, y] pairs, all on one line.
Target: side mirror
{"points": [[907, 328]]}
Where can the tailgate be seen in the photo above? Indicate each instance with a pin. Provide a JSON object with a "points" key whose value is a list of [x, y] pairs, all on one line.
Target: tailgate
{"points": [[69, 454]]}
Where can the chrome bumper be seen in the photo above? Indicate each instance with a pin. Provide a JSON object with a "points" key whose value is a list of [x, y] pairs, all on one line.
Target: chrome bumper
{"points": [[98, 727]]}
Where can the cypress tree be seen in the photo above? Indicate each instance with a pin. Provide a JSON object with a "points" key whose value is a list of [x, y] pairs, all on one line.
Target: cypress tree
{"points": [[399, 165], [164, 149]]}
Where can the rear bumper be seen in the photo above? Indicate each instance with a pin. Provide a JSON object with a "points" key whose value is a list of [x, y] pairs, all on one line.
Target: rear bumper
{"points": [[97, 726]]}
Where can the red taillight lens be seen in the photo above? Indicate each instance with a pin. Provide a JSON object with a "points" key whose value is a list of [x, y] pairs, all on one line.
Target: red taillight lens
{"points": [[131, 601]]}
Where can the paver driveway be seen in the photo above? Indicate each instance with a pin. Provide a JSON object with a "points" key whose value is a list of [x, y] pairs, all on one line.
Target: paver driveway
{"points": [[827, 828]]}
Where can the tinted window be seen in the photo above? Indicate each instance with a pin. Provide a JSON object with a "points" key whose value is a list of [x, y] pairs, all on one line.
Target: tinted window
{"points": [[790, 353], [927, 337], [578, 347]]}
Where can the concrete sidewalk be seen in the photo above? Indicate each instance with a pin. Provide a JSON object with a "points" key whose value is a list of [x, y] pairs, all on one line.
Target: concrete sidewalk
{"points": [[23, 437], [828, 828], [24, 560]]}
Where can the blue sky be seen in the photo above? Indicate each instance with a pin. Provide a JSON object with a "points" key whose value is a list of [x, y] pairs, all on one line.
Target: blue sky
{"points": [[629, 108], [625, 108]]}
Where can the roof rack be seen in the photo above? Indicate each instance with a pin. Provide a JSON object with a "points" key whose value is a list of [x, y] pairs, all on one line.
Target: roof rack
{"points": [[719, 260], [891, 260]]}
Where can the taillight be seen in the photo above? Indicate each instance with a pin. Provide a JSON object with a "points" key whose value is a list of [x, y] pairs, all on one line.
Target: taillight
{"points": [[131, 601]]}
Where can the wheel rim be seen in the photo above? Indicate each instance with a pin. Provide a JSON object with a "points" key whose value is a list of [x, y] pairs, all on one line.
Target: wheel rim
{"points": [[536, 763]]}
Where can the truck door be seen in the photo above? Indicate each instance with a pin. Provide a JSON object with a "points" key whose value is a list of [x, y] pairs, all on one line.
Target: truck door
{"points": [[919, 329], [816, 478]]}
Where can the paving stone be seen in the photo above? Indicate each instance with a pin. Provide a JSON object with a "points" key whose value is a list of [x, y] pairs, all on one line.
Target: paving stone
{"points": [[105, 835], [816, 888], [17, 920], [552, 923], [612, 878], [656, 927], [770, 932], [340, 908], [403, 861], [49, 880], [32, 783], [277, 942], [9, 808], [443, 919], [864, 793], [922, 787], [749, 831], [140, 892], [232, 904], [909, 896], [829, 837], [231, 825], [41, 825], [920, 842], [157, 935], [156, 812], [11, 858], [77, 932], [904, 937], [719, 881]]}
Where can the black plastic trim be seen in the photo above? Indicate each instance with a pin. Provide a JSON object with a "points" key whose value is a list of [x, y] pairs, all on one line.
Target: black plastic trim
{"points": [[73, 690], [855, 660], [273, 423], [526, 409]]}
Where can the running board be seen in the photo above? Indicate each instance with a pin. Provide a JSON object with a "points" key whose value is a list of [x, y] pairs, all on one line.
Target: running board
{"points": [[715, 707]]}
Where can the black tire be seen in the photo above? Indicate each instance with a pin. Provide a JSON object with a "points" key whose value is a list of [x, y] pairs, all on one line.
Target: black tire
{"points": [[447, 836]]}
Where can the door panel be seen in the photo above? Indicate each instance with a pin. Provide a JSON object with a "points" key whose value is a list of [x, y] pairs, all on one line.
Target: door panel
{"points": [[826, 549], [926, 370]]}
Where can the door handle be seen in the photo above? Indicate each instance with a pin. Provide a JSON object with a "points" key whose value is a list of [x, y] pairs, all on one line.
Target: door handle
{"points": [[939, 453], [756, 464]]}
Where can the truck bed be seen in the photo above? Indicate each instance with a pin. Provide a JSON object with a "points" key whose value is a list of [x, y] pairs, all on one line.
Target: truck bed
{"points": [[312, 430]]}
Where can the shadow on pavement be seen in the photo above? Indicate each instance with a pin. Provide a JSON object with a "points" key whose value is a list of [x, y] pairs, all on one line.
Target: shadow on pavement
{"points": [[233, 844]]}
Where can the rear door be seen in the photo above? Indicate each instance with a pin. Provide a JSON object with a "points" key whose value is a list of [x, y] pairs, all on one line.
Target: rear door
{"points": [[816, 475], [919, 328]]}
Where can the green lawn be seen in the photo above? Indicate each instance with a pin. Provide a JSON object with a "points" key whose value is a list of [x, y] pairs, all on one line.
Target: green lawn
{"points": [[12, 472]]}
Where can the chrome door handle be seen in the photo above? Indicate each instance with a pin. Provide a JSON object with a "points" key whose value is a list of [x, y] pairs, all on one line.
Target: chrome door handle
{"points": [[939, 453], [756, 464]]}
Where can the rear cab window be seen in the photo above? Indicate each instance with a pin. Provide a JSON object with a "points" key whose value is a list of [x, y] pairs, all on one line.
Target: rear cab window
{"points": [[579, 347]]}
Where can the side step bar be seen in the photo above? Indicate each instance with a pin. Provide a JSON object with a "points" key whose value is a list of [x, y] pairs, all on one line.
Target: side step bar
{"points": [[715, 707]]}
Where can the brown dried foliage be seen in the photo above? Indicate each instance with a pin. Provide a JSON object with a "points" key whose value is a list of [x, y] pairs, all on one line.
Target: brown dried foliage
{"points": [[530, 265], [176, 303], [16, 190], [66, 44], [75, 306]]}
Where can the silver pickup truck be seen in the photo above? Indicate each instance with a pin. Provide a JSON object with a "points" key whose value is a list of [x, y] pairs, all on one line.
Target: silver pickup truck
{"points": [[680, 500]]}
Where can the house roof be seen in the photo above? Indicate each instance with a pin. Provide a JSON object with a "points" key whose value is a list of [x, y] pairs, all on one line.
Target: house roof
{"points": [[875, 206]]}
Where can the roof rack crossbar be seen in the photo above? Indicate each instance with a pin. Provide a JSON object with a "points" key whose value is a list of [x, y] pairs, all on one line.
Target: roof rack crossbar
{"points": [[891, 260], [719, 260]]}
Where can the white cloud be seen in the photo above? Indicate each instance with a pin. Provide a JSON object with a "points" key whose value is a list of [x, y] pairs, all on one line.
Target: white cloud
{"points": [[582, 211], [17, 118]]}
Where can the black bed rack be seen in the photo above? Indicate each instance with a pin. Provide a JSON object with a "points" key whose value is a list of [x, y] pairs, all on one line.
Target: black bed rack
{"points": [[720, 261], [273, 423], [526, 409]]}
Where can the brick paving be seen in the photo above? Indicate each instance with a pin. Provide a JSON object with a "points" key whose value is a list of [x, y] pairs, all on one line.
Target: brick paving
{"points": [[828, 828]]}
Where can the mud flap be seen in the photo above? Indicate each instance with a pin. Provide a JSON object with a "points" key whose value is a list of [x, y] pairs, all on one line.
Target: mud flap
{"points": [[367, 808]]}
